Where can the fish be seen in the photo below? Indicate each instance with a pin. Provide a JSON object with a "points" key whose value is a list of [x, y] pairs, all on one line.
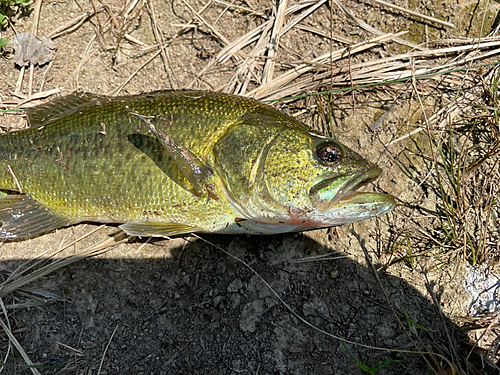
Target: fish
{"points": [[176, 162]]}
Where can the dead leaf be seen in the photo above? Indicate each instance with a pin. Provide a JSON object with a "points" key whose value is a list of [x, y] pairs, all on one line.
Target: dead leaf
{"points": [[32, 49]]}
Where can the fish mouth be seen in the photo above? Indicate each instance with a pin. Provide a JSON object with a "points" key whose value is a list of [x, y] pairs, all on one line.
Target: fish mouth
{"points": [[342, 189]]}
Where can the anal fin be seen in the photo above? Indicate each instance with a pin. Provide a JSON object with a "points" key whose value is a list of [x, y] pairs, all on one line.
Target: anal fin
{"points": [[22, 216], [149, 228]]}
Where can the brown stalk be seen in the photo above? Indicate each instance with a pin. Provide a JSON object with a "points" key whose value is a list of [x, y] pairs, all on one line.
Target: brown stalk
{"points": [[415, 14], [159, 39], [268, 72], [70, 26]]}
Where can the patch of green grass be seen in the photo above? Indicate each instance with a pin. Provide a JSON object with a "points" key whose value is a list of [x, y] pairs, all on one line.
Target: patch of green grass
{"points": [[465, 177], [371, 369], [458, 167], [8, 9], [325, 105], [414, 325]]}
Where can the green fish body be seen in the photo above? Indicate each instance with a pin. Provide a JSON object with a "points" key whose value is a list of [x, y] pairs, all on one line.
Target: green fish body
{"points": [[175, 162]]}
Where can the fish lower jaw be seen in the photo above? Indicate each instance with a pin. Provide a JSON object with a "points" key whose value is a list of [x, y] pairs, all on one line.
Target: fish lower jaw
{"points": [[366, 199], [352, 197], [354, 207]]}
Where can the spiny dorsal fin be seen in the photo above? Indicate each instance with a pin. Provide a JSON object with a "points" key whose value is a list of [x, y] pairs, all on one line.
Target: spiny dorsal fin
{"points": [[22, 216], [64, 106], [149, 228]]}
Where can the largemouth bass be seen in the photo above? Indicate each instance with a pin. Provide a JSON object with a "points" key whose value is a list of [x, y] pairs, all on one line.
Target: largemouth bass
{"points": [[176, 162]]}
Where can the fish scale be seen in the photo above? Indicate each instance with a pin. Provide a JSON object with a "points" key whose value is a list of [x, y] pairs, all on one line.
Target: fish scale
{"points": [[92, 158]]}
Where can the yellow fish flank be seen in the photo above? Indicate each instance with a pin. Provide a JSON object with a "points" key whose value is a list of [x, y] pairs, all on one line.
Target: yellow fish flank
{"points": [[175, 162]]}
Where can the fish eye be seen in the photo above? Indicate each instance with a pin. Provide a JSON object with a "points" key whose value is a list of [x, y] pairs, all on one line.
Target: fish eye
{"points": [[329, 155]]}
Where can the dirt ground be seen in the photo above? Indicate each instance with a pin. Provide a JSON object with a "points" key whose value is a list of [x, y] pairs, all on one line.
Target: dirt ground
{"points": [[322, 302]]}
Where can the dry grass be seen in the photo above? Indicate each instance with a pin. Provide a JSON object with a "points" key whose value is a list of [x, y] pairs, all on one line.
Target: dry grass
{"points": [[461, 175], [31, 271]]}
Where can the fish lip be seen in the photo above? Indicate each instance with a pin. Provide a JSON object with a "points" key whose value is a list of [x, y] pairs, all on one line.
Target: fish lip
{"points": [[358, 181], [347, 190]]}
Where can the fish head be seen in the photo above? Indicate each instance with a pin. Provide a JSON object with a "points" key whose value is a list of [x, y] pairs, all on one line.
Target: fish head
{"points": [[301, 180]]}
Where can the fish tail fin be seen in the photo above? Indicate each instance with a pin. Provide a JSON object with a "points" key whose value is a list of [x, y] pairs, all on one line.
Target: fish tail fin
{"points": [[22, 216]]}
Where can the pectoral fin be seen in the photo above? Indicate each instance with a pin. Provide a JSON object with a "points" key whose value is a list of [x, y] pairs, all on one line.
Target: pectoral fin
{"points": [[189, 164], [148, 228], [22, 216]]}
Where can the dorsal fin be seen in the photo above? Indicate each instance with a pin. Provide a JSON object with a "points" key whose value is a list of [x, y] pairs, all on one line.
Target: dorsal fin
{"points": [[63, 106]]}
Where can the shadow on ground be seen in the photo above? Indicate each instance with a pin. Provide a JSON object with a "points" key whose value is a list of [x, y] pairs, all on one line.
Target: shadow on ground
{"points": [[191, 309]]}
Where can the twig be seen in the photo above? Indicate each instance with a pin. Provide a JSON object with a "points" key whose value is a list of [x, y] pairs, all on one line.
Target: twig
{"points": [[105, 350], [19, 271], [76, 352], [135, 41], [30, 80], [377, 123], [18, 346], [338, 38], [351, 81], [158, 38], [386, 69], [246, 69], [130, 9], [449, 111], [36, 18], [230, 50], [375, 274], [267, 74], [452, 343], [70, 26], [119, 88], [291, 74], [371, 29], [185, 28], [318, 258], [19, 83], [90, 251], [301, 16], [100, 30], [15, 179], [86, 56], [9, 347], [40, 95], [413, 13], [34, 31], [192, 24], [234, 6], [44, 76], [221, 37]]}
